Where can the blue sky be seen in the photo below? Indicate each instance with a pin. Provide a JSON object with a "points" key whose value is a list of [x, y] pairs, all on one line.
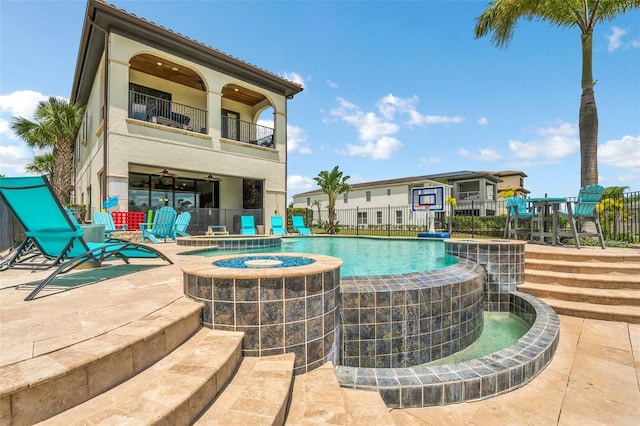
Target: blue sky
{"points": [[391, 89]]}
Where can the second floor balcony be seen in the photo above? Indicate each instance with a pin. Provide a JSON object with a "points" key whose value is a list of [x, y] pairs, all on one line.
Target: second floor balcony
{"points": [[173, 114]]}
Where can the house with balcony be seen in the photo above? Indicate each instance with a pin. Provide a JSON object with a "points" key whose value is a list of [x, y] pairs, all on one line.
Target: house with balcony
{"points": [[171, 121], [377, 203], [476, 193]]}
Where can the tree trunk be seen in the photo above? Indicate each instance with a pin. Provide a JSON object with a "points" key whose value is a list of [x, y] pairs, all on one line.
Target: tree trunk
{"points": [[62, 170], [588, 123], [588, 117]]}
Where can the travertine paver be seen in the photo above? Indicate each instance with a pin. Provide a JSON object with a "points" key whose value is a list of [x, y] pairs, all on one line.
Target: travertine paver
{"points": [[593, 379]]}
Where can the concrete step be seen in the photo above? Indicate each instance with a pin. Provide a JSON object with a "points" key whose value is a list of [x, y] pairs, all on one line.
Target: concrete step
{"points": [[258, 394], [586, 254], [172, 391], [366, 408], [583, 267], [629, 314], [38, 388], [605, 281], [317, 399], [583, 294]]}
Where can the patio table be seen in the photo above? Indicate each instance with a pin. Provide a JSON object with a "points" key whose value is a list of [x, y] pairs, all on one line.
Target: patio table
{"points": [[544, 222]]}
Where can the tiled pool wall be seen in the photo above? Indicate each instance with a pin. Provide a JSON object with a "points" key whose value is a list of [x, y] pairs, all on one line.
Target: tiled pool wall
{"points": [[481, 378], [234, 242], [503, 261], [280, 310], [410, 319]]}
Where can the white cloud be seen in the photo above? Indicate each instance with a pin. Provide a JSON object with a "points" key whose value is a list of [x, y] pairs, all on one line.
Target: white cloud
{"points": [[332, 84], [295, 77], [379, 149], [549, 145], [295, 137], [21, 103], [423, 120], [300, 183], [373, 131], [485, 154], [14, 159], [623, 153], [483, 120], [296, 140], [615, 40], [14, 155], [425, 162], [390, 104]]}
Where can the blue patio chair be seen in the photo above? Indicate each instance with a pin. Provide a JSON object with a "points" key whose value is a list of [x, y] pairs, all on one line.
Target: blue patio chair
{"points": [[54, 239], [584, 209], [248, 225], [277, 226], [104, 218], [162, 227], [182, 223], [516, 210], [299, 227]]}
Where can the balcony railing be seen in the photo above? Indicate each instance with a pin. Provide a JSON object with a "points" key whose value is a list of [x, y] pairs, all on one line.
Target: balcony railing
{"points": [[157, 110], [468, 195], [243, 131]]}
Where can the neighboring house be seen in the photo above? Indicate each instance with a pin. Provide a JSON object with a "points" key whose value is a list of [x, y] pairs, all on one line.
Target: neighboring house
{"points": [[375, 195], [171, 121], [475, 192]]}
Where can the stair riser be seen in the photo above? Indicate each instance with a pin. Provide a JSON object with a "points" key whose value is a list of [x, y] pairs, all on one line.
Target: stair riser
{"points": [[584, 298], [85, 381], [605, 316], [584, 269], [565, 280], [584, 257]]}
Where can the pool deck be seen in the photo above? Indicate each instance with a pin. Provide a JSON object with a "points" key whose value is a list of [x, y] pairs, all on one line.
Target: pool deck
{"points": [[593, 379]]}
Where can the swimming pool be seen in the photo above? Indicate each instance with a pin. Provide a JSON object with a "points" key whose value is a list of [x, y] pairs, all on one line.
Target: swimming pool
{"points": [[365, 256]]}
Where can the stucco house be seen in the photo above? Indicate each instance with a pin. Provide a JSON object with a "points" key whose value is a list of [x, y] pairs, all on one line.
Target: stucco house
{"points": [[475, 192], [171, 121]]}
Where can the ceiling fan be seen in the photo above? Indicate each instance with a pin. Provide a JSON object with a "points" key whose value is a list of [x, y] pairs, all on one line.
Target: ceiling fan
{"points": [[167, 173], [212, 178]]}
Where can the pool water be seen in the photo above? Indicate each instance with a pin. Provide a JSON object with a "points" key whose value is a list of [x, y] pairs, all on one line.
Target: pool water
{"points": [[366, 256], [501, 329]]}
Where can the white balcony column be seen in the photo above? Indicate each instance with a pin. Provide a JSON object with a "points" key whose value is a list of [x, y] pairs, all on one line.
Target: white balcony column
{"points": [[214, 111]]}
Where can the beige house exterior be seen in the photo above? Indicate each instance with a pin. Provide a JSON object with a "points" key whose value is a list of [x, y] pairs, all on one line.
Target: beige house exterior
{"points": [[475, 192], [170, 121]]}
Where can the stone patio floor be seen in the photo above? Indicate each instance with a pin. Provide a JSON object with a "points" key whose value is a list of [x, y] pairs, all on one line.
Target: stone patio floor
{"points": [[592, 380]]}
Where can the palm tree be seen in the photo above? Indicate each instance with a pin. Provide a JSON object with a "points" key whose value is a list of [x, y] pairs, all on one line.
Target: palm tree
{"points": [[333, 183], [41, 164], [318, 204], [56, 126], [500, 20]]}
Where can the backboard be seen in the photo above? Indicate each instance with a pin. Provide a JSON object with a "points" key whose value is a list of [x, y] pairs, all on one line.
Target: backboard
{"points": [[428, 198]]}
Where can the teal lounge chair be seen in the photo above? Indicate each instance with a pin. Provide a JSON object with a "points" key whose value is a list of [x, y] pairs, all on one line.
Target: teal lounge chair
{"points": [[104, 218], [584, 210], [298, 225], [248, 226], [516, 210], [54, 239], [182, 223], [162, 227], [277, 226]]}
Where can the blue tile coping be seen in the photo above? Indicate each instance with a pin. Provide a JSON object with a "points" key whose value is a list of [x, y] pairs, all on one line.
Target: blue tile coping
{"points": [[481, 378]]}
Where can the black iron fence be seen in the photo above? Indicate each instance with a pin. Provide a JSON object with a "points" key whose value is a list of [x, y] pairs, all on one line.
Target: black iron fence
{"points": [[619, 217]]}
